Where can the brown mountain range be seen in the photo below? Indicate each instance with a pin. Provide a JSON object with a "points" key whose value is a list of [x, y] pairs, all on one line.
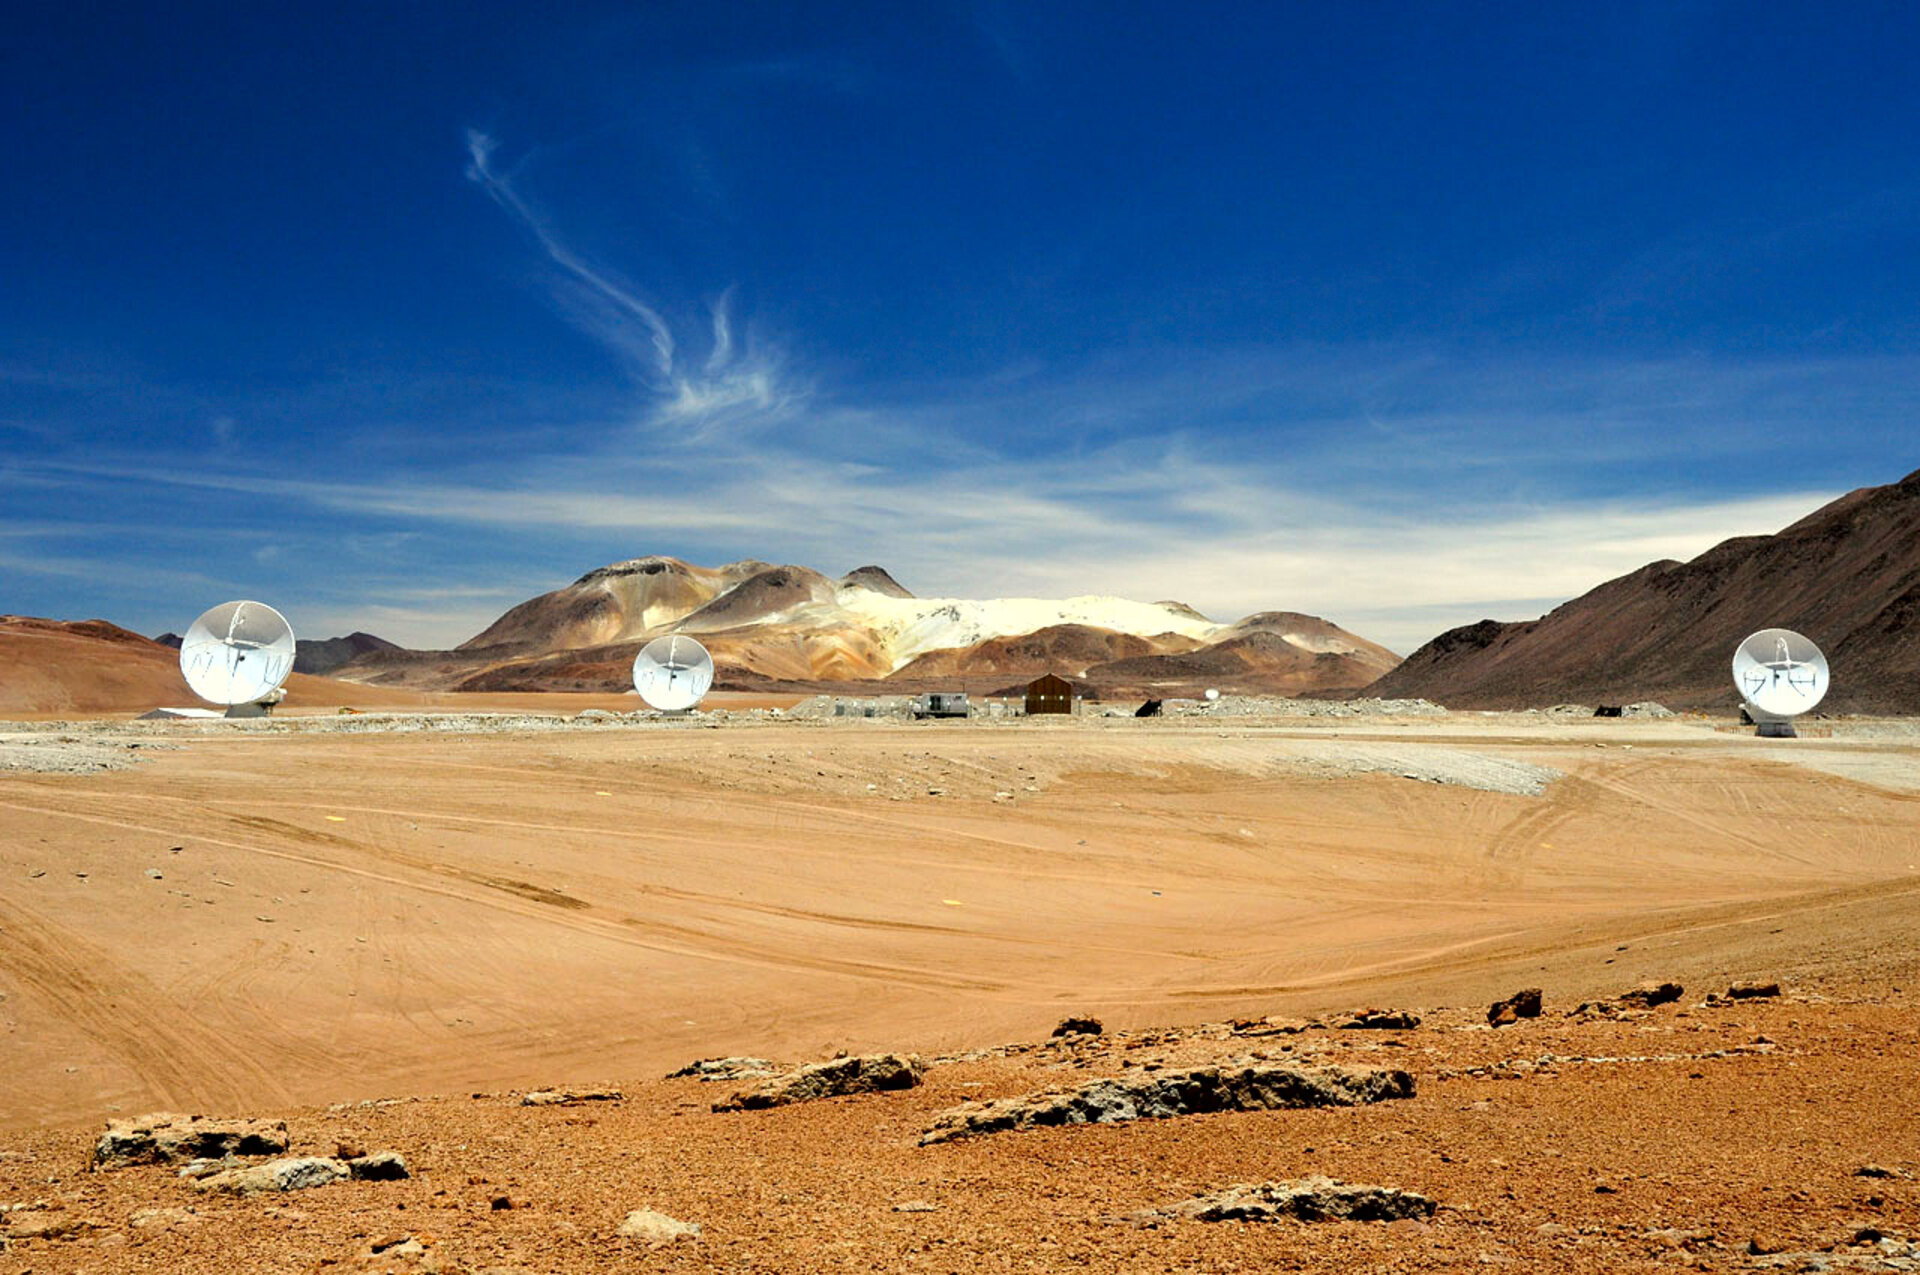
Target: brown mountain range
{"points": [[1846, 575], [791, 626]]}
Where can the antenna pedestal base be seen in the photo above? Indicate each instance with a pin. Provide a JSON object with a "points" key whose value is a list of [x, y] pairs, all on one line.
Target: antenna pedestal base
{"points": [[1775, 730]]}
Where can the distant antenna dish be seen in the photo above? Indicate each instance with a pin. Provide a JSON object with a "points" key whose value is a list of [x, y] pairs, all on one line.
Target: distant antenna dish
{"points": [[237, 653], [672, 673], [1780, 675], [1213, 693]]}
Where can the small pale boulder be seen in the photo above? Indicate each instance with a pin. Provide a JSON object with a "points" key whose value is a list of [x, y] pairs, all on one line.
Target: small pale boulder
{"points": [[295, 1173], [653, 1228], [401, 1253]]}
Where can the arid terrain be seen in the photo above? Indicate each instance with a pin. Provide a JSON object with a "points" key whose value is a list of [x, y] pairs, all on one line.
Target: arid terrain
{"points": [[424, 916]]}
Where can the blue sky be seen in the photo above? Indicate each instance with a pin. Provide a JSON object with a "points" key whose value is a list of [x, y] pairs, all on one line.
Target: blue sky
{"points": [[394, 315]]}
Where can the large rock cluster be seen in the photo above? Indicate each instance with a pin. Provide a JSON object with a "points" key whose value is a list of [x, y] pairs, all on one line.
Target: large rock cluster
{"points": [[166, 1138], [1315, 1199], [834, 1078], [1160, 1095]]}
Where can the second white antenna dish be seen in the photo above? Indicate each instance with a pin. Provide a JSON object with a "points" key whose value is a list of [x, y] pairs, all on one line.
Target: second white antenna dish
{"points": [[1780, 675], [237, 653], [672, 673]]}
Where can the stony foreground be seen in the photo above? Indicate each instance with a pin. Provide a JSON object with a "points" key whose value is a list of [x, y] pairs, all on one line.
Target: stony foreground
{"points": [[1757, 1133]]}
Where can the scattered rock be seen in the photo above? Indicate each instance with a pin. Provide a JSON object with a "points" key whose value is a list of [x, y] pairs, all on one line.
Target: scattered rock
{"points": [[1748, 991], [711, 1069], [1270, 1026], [165, 1138], [500, 1203], [657, 1228], [295, 1173], [1393, 1020], [51, 1224], [1647, 995], [401, 1253], [1761, 1245], [1877, 1171], [381, 1166], [207, 1168], [834, 1078], [915, 1206], [1314, 1199], [1524, 1003], [157, 1219], [1160, 1095], [1071, 1026], [568, 1097]]}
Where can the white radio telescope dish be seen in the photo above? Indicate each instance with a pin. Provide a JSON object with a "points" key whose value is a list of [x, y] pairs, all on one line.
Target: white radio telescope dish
{"points": [[1780, 675], [672, 673], [237, 653]]}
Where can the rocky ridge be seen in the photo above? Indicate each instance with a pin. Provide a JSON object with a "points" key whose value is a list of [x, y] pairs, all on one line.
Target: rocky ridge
{"points": [[1846, 575]]}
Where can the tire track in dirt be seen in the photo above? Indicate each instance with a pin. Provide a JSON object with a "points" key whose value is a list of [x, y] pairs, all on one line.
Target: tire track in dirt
{"points": [[651, 933], [1510, 853], [125, 1015]]}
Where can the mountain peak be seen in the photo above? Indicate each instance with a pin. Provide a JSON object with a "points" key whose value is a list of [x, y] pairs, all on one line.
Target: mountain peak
{"points": [[875, 578]]}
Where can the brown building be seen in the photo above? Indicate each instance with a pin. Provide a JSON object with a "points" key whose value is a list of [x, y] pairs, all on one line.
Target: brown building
{"points": [[1049, 694]]}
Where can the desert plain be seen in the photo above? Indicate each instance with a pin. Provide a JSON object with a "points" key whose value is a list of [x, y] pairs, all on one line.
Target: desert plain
{"points": [[385, 929]]}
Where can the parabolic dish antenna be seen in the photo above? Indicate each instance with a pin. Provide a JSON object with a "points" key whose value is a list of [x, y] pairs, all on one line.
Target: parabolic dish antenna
{"points": [[1780, 675], [672, 673], [237, 653]]}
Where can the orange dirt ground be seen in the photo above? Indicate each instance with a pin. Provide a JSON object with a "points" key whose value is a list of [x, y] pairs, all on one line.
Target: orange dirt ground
{"points": [[340, 917]]}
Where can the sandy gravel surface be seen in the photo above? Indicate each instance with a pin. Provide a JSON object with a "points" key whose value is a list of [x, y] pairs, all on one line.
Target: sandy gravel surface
{"points": [[278, 917], [1713, 1139]]}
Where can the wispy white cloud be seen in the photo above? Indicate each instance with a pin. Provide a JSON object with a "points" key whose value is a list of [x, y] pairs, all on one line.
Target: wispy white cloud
{"points": [[480, 148], [740, 386]]}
